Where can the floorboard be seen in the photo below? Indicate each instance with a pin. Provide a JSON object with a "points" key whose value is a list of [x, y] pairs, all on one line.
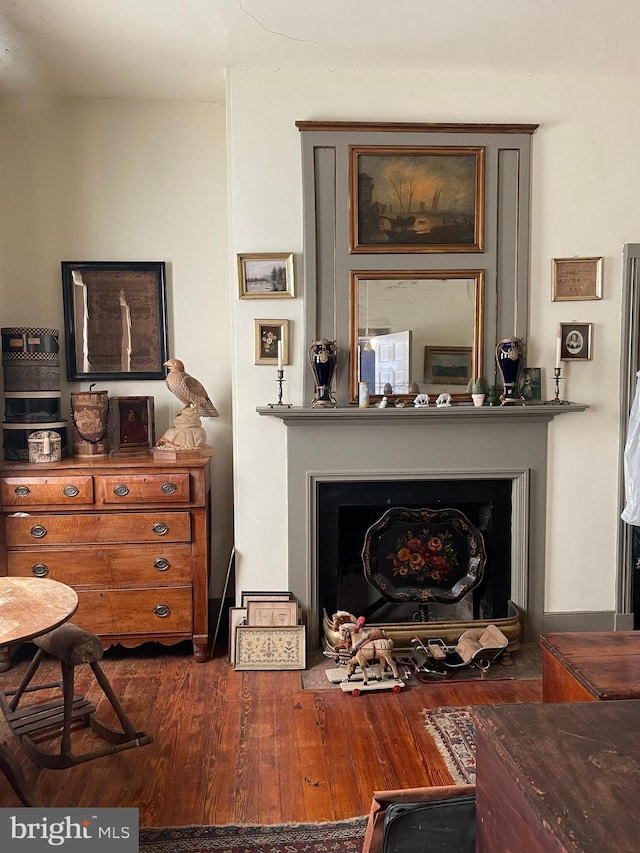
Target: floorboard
{"points": [[254, 747]]}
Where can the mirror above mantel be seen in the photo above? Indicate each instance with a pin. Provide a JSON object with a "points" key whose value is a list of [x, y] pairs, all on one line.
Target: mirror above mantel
{"points": [[416, 333]]}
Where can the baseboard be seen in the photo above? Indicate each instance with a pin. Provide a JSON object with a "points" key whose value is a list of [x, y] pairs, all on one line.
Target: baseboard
{"points": [[599, 620]]}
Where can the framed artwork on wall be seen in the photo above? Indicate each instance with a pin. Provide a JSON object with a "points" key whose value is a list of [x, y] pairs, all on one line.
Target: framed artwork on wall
{"points": [[268, 334], [266, 275], [115, 319], [576, 279], [420, 199], [575, 341]]}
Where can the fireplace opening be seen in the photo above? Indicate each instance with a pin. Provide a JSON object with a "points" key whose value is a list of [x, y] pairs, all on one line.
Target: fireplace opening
{"points": [[346, 510]]}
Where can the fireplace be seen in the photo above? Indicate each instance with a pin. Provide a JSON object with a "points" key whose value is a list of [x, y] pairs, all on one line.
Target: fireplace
{"points": [[439, 450], [346, 510]]}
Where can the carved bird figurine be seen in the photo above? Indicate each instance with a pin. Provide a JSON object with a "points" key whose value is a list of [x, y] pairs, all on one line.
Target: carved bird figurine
{"points": [[188, 390]]}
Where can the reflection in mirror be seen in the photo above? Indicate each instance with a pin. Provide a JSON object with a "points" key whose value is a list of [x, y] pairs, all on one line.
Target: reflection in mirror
{"points": [[417, 335]]}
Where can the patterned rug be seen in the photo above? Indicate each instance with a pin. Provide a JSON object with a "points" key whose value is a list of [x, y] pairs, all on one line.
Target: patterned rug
{"points": [[453, 731], [344, 836]]}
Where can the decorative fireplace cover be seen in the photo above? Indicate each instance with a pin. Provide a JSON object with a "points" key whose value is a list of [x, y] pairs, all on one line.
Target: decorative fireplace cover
{"points": [[423, 555]]}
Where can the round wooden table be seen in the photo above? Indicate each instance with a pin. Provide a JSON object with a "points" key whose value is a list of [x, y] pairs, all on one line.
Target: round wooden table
{"points": [[29, 607]]}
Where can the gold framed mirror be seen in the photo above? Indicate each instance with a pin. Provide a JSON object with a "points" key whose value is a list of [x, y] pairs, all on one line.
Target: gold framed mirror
{"points": [[417, 332]]}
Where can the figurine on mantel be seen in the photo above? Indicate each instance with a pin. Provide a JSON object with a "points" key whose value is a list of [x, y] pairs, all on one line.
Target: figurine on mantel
{"points": [[187, 433]]}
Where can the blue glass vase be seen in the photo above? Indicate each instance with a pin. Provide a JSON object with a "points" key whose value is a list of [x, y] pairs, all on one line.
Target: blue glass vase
{"points": [[323, 355], [510, 359]]}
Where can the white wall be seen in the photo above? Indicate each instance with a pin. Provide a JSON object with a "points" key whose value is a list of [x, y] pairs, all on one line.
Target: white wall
{"points": [[126, 180], [585, 175]]}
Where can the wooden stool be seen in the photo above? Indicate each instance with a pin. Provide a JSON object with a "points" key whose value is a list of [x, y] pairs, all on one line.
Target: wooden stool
{"points": [[72, 646]]}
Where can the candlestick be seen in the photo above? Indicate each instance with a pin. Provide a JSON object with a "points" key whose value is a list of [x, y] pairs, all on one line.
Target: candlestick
{"points": [[280, 380], [556, 399], [279, 355]]}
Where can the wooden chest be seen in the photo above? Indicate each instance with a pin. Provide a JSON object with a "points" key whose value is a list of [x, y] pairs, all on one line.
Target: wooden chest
{"points": [[557, 777], [129, 534]]}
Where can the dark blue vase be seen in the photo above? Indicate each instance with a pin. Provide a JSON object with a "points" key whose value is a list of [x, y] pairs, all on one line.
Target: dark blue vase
{"points": [[510, 359], [323, 356]]}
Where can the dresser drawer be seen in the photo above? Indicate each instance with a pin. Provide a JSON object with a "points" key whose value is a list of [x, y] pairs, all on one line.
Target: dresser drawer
{"points": [[109, 565], [127, 488], [135, 611], [34, 491], [97, 529]]}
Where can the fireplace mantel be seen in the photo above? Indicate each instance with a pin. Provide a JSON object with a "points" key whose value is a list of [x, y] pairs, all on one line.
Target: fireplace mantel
{"points": [[457, 442], [308, 416]]}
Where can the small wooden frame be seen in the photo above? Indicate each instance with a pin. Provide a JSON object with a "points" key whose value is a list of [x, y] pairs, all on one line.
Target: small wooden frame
{"points": [[575, 341], [263, 595], [270, 648], [131, 424], [448, 365], [576, 279], [267, 335], [237, 616], [272, 613]]}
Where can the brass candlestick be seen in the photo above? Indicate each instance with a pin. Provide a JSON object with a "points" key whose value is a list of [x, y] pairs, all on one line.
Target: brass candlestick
{"points": [[556, 399], [280, 380]]}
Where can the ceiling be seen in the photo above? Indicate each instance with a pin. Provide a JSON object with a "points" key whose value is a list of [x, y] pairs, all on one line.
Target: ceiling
{"points": [[178, 49]]}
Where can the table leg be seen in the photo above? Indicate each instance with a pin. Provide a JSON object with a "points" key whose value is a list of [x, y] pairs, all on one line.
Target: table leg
{"points": [[11, 768]]}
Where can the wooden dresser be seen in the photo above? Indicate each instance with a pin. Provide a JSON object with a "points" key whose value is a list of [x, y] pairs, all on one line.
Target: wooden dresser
{"points": [[129, 534]]}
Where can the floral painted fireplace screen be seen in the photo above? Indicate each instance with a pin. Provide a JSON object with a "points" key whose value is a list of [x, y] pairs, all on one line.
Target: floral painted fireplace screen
{"points": [[423, 555]]}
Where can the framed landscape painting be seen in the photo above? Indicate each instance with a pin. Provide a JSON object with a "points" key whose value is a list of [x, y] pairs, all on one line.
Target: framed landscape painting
{"points": [[447, 365], [266, 276], [425, 199]]}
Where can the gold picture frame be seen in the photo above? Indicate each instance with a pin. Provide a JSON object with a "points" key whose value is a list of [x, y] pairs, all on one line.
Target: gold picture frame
{"points": [[416, 199], [270, 648], [576, 279], [266, 275], [267, 335]]}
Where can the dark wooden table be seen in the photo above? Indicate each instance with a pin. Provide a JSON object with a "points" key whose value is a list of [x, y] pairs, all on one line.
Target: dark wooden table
{"points": [[590, 666], [29, 607], [558, 777]]}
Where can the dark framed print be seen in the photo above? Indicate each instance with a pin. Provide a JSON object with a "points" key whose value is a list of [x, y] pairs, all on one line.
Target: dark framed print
{"points": [[530, 384], [131, 424], [115, 319], [576, 279], [265, 275], [272, 342], [421, 199], [449, 365], [575, 341]]}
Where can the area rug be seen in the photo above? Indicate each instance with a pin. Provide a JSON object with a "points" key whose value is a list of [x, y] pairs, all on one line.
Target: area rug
{"points": [[453, 732], [343, 836]]}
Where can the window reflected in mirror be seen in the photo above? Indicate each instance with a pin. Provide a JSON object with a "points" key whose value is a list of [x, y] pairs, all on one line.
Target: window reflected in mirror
{"points": [[419, 334]]}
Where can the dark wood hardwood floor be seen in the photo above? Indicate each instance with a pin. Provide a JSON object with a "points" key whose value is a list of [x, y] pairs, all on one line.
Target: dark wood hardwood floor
{"points": [[248, 747]]}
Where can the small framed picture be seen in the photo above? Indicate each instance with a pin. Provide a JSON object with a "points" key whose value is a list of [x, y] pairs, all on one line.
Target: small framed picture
{"points": [[272, 613], [262, 595], [575, 341], [270, 648], [530, 384], [131, 424], [237, 616], [576, 279], [268, 334], [447, 365], [266, 276]]}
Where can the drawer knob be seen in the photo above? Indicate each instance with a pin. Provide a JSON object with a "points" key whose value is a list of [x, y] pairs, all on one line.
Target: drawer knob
{"points": [[71, 491], [160, 528], [161, 564], [38, 531], [22, 491], [40, 570], [121, 490], [162, 610], [169, 488]]}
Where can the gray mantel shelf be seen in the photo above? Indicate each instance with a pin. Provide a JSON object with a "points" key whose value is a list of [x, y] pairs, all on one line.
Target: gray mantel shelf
{"points": [[307, 416]]}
